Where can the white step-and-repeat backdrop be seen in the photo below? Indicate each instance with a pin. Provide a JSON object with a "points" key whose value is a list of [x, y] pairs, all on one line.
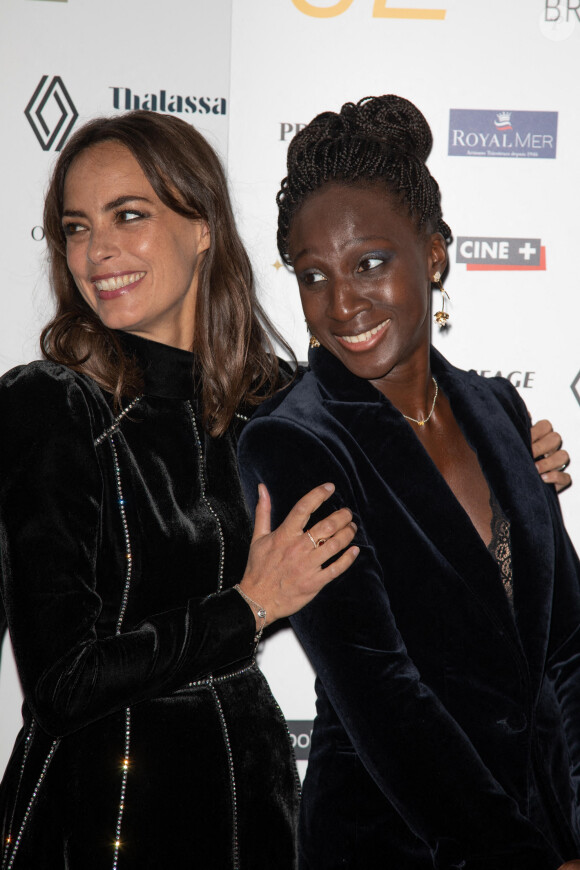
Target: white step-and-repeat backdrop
{"points": [[498, 83]]}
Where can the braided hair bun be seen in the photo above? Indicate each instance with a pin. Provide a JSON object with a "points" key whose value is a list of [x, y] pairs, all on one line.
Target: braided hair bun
{"points": [[396, 121], [379, 139]]}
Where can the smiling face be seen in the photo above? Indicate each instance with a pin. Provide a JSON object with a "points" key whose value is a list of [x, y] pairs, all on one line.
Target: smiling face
{"points": [[364, 273], [133, 259]]}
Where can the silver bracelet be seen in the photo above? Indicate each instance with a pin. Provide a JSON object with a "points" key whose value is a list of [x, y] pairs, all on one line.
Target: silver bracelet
{"points": [[260, 613]]}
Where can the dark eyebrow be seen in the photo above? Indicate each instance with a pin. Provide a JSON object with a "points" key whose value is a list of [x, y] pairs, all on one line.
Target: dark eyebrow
{"points": [[109, 206], [354, 241]]}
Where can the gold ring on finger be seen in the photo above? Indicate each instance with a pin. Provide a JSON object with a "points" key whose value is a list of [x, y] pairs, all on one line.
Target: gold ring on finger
{"points": [[317, 543], [314, 544]]}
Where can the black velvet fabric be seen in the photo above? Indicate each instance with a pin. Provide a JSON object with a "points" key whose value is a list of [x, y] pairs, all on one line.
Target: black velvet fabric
{"points": [[448, 730], [211, 781]]}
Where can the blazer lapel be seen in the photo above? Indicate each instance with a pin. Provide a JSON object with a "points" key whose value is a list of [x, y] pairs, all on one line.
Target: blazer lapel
{"points": [[407, 470], [522, 495]]}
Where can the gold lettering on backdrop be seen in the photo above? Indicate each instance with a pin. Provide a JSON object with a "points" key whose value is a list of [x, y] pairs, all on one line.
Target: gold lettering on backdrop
{"points": [[322, 11], [380, 10]]}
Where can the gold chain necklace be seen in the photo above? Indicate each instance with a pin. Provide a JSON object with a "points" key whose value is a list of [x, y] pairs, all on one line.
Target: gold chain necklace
{"points": [[426, 420]]}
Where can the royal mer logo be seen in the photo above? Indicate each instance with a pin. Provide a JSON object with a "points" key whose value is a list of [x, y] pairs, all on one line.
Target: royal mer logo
{"points": [[51, 113], [162, 101], [483, 133], [483, 253]]}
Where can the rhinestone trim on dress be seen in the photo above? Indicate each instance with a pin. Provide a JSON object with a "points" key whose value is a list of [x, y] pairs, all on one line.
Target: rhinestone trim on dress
{"points": [[122, 611], [202, 484], [31, 802], [27, 745], [211, 681], [226, 736], [115, 424], [107, 434], [223, 678]]}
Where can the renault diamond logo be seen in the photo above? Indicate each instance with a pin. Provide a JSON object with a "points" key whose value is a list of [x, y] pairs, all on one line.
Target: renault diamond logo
{"points": [[575, 387], [51, 113]]}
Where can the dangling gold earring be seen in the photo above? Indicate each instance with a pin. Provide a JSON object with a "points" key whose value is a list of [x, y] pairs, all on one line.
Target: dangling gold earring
{"points": [[313, 340], [441, 317]]}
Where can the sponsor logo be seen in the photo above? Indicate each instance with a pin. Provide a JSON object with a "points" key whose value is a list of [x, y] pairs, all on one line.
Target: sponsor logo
{"points": [[483, 133], [522, 379], [300, 736], [503, 121], [162, 101], [381, 9], [575, 387], [562, 9], [287, 130], [51, 113], [559, 19], [482, 253]]}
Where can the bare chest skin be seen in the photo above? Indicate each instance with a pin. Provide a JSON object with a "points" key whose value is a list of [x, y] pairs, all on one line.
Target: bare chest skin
{"points": [[457, 462]]}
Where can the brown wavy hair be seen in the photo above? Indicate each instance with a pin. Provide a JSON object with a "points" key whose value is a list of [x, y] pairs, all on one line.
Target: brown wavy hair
{"points": [[235, 362]]}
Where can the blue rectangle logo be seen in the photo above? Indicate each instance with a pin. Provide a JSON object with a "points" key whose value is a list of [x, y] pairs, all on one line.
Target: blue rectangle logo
{"points": [[484, 133]]}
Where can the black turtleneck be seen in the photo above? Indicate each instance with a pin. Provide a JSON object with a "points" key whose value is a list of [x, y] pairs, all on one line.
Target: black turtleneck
{"points": [[167, 371]]}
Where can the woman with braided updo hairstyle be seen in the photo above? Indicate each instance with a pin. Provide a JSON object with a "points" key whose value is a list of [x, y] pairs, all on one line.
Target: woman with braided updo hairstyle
{"points": [[448, 656], [385, 139]]}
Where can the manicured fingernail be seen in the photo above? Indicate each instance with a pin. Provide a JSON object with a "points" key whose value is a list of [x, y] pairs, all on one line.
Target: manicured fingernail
{"points": [[544, 478], [329, 486]]}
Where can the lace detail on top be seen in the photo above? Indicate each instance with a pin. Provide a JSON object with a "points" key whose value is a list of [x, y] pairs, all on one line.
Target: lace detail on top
{"points": [[500, 547]]}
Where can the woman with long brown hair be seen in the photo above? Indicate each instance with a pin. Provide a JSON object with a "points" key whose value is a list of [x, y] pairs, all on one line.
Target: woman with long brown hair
{"points": [[150, 737]]}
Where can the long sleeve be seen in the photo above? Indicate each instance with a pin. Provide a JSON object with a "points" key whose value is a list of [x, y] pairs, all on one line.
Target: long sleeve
{"points": [[422, 760], [564, 647], [564, 641], [51, 540]]}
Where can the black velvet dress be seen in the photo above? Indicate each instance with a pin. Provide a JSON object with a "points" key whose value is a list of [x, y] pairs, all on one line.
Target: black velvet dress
{"points": [[151, 738]]}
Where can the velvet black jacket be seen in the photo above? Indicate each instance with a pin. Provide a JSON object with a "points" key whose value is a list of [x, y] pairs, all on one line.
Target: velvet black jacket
{"points": [[448, 728], [120, 538]]}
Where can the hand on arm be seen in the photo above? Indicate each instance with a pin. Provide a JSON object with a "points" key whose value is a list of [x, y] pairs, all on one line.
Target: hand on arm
{"points": [[284, 570], [551, 460]]}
